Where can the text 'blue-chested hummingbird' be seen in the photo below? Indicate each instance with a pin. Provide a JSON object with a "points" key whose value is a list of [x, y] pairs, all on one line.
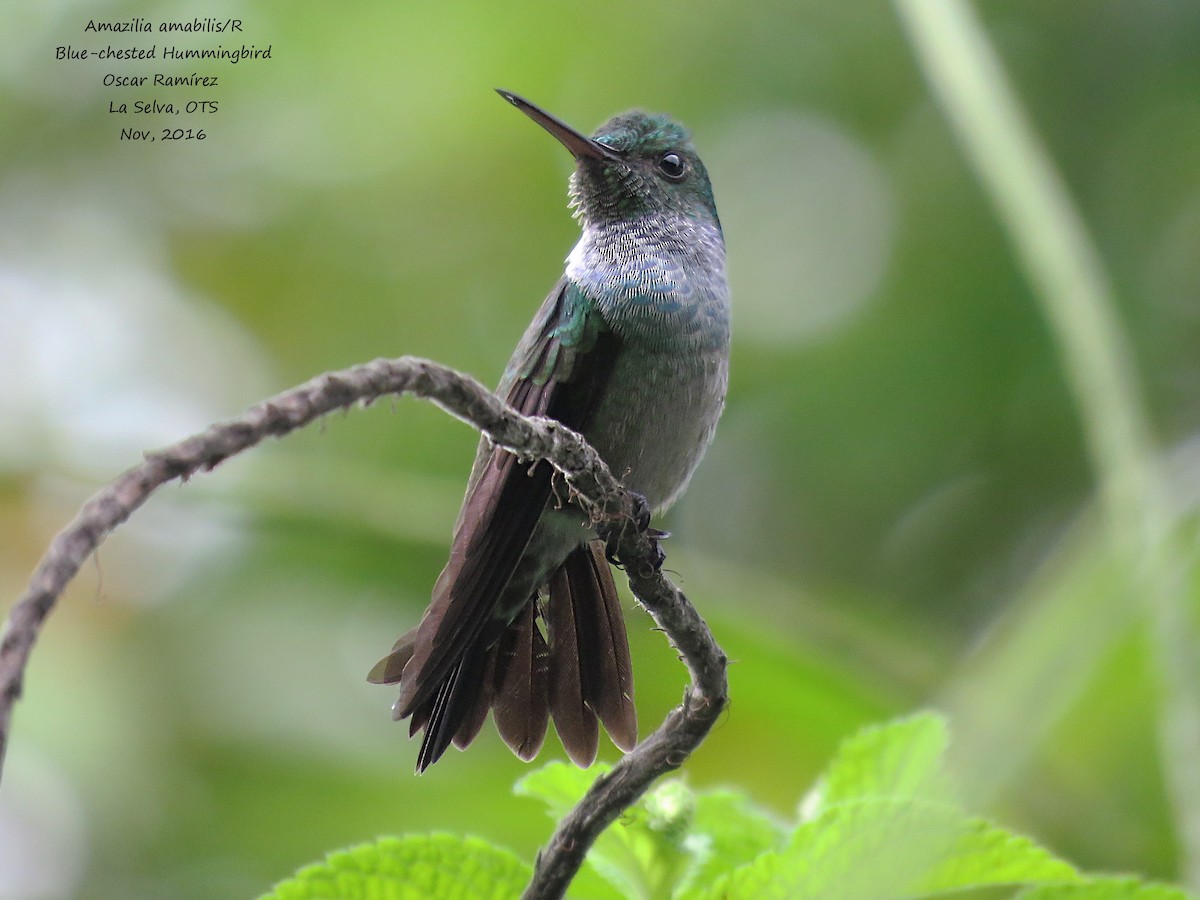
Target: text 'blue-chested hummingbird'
{"points": [[631, 349]]}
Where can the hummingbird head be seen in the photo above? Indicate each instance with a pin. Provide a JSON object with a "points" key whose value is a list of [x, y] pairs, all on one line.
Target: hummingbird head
{"points": [[636, 164]]}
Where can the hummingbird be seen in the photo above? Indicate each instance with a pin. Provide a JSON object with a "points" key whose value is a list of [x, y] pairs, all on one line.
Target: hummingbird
{"points": [[631, 350]]}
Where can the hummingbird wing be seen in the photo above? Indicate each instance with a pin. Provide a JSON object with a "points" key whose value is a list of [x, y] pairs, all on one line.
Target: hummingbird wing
{"points": [[469, 653]]}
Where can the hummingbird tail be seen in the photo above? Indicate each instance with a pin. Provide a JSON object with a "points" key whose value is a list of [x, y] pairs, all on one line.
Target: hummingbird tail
{"points": [[582, 676], [509, 678], [590, 670], [520, 706]]}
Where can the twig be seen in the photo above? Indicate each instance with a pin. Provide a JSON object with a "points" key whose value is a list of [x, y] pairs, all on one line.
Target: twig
{"points": [[465, 398], [667, 748]]}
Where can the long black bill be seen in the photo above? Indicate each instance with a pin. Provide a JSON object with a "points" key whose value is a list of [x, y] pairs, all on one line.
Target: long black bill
{"points": [[579, 145]]}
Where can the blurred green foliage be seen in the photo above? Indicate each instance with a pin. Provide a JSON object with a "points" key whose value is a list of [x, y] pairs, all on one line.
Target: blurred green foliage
{"points": [[882, 821], [896, 511]]}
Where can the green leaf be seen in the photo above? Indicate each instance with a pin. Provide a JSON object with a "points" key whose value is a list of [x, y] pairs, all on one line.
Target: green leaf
{"points": [[881, 824], [643, 854], [629, 854], [898, 759], [410, 868], [1104, 889], [727, 831], [879, 848], [985, 854], [558, 785], [648, 850]]}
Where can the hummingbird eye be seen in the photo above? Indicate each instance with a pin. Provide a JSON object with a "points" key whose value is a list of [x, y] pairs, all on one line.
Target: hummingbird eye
{"points": [[672, 165]]}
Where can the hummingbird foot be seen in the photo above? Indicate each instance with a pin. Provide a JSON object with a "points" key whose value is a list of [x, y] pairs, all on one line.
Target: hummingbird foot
{"points": [[640, 513], [641, 521], [657, 556], [641, 510]]}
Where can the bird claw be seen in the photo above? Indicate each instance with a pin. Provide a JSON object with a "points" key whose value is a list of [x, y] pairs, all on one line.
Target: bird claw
{"points": [[657, 556], [640, 511], [640, 514]]}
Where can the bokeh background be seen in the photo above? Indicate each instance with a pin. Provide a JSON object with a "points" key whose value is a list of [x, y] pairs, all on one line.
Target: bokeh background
{"points": [[898, 511]]}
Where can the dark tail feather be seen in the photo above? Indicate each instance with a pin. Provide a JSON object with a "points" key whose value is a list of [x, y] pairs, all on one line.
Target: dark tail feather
{"points": [[509, 676], [390, 669], [582, 678], [521, 707], [603, 647], [575, 721], [591, 673], [453, 704], [477, 714], [420, 717]]}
